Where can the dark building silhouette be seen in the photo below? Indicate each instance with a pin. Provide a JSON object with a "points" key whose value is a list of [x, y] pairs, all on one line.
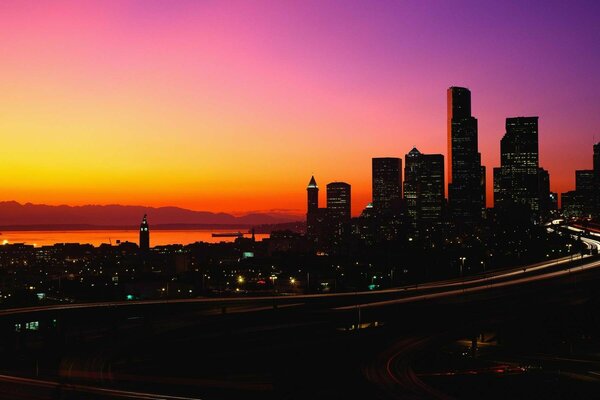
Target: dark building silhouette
{"points": [[517, 181], [326, 226], [483, 185], [312, 191], [546, 199], [585, 187], [464, 160], [387, 184], [584, 201], [338, 201], [144, 234], [584, 181], [572, 204], [338, 211], [596, 161], [424, 187], [315, 216]]}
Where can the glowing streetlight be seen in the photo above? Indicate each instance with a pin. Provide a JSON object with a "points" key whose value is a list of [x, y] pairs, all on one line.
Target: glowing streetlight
{"points": [[240, 279], [462, 264]]}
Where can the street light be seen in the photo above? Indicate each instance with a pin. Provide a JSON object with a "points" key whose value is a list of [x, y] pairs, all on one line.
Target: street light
{"points": [[462, 265]]}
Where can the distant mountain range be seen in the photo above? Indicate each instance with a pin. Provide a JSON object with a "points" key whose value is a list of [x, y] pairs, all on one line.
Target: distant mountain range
{"points": [[15, 215]]}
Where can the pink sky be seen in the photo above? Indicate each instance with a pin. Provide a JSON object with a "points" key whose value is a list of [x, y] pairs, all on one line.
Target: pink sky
{"points": [[231, 106]]}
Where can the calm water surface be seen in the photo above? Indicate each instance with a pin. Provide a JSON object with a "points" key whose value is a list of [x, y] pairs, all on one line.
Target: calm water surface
{"points": [[97, 237]]}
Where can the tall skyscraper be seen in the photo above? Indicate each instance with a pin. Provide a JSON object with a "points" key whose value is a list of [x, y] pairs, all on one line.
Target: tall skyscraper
{"points": [[338, 212], [464, 160], [424, 187], [387, 184], [585, 187], [144, 235], [338, 201], [517, 180]]}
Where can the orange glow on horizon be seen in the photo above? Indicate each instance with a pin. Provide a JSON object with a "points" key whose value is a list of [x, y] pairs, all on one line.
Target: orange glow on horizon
{"points": [[226, 107]]}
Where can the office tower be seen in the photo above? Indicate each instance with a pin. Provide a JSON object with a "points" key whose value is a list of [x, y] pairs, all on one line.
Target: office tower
{"points": [[584, 201], [144, 235], [585, 187], [572, 204], [464, 160], [424, 187], [387, 184], [518, 177], [338, 201], [584, 181], [338, 212]]}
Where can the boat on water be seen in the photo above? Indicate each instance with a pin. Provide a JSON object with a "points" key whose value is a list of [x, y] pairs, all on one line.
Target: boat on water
{"points": [[228, 234]]}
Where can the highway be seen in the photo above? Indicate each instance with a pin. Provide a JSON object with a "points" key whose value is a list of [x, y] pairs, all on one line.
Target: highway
{"points": [[404, 294]]}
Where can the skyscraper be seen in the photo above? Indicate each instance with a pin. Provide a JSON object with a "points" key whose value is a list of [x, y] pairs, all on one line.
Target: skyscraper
{"points": [[338, 201], [585, 187], [424, 187], [338, 211], [517, 180], [387, 184], [144, 235], [464, 160]]}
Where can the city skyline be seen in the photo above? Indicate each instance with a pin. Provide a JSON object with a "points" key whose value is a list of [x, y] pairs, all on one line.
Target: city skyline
{"points": [[110, 103], [290, 199]]}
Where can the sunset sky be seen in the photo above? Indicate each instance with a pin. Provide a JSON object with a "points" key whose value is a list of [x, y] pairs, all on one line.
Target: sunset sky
{"points": [[232, 105]]}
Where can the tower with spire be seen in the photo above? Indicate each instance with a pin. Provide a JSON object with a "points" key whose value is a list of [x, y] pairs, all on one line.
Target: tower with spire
{"points": [[144, 235], [312, 191], [312, 210], [315, 216]]}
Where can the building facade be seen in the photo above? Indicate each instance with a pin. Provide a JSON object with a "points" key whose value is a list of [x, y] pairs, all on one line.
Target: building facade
{"points": [[517, 181], [464, 160], [424, 187], [387, 185]]}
